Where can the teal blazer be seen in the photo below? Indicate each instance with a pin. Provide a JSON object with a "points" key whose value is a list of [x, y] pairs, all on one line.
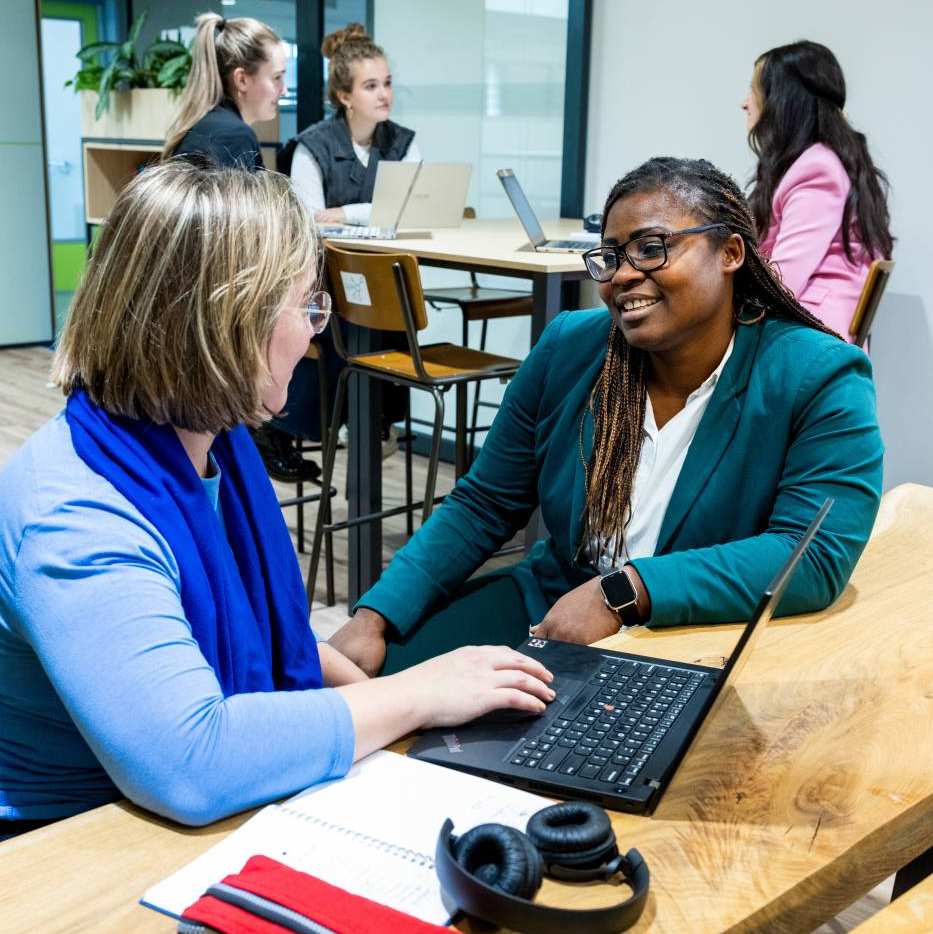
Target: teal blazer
{"points": [[791, 421]]}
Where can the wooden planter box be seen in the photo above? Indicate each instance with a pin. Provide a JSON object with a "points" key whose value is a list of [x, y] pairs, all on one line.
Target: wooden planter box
{"points": [[140, 114], [144, 114]]}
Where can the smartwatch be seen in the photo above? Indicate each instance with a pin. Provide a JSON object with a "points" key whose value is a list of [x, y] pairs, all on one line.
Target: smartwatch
{"points": [[619, 595]]}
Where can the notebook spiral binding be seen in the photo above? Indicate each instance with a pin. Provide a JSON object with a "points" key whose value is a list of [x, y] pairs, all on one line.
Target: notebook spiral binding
{"points": [[422, 860]]}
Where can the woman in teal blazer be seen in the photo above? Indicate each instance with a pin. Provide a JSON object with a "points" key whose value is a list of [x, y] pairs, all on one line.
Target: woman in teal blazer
{"points": [[790, 420]]}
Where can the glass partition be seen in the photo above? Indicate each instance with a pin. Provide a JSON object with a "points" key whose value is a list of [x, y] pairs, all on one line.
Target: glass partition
{"points": [[481, 81]]}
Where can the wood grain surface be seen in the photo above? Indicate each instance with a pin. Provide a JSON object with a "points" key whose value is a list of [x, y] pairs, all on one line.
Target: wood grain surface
{"points": [[909, 914], [812, 784], [501, 244]]}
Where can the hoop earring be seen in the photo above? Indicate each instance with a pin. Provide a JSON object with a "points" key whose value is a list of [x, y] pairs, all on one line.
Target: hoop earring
{"points": [[740, 318]]}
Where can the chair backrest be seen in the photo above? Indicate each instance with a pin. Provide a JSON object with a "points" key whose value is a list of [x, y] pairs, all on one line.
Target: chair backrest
{"points": [[366, 289], [878, 274]]}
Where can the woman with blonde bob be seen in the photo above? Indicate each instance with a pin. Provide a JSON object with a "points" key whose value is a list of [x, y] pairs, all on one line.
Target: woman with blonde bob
{"points": [[154, 636]]}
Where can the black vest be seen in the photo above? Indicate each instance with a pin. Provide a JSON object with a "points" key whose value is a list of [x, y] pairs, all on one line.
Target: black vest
{"points": [[346, 180]]}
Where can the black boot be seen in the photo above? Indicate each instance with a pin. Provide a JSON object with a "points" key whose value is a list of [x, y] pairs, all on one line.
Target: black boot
{"points": [[281, 457]]}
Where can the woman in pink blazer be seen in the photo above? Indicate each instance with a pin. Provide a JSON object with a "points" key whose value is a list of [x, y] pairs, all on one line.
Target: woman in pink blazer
{"points": [[819, 201]]}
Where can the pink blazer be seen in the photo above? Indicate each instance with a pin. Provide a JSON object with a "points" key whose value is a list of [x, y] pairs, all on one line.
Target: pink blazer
{"points": [[804, 239]]}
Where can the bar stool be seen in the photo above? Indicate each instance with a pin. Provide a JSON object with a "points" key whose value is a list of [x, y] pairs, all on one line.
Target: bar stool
{"points": [[385, 294]]}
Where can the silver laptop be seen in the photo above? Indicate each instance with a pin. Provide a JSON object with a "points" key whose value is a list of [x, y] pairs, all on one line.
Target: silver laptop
{"points": [[530, 221], [436, 198], [390, 198]]}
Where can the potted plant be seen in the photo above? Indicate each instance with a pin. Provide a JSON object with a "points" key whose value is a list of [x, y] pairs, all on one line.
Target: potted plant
{"points": [[127, 94]]}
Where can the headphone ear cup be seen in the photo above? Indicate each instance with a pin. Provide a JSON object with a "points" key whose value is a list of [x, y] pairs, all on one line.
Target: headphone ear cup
{"points": [[502, 857], [575, 835]]}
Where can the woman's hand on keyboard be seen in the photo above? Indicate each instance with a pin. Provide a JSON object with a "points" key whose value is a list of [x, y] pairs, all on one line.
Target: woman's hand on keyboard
{"points": [[330, 216], [469, 682]]}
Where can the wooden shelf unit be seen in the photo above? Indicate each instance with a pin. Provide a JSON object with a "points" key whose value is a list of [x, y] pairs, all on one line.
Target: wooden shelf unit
{"points": [[108, 166]]}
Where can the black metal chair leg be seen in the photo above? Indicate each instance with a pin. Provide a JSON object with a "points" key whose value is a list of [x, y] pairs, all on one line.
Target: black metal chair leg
{"points": [[323, 512], [300, 528], [460, 430], [435, 454], [329, 560], [915, 871], [474, 418], [409, 516]]}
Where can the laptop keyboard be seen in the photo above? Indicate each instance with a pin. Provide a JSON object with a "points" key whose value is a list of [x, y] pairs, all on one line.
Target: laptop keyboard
{"points": [[627, 709], [572, 245], [341, 232]]}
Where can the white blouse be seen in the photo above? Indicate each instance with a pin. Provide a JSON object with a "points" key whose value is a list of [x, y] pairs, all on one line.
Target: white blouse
{"points": [[663, 452], [309, 183]]}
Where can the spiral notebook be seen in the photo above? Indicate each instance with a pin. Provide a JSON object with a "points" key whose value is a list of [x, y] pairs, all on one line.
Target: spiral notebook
{"points": [[372, 833]]}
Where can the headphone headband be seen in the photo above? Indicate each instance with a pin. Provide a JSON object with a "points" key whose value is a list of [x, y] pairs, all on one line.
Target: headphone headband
{"points": [[491, 904]]}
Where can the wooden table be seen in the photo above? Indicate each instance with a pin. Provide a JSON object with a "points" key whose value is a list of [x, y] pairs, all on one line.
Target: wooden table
{"points": [[498, 247], [910, 913], [812, 784]]}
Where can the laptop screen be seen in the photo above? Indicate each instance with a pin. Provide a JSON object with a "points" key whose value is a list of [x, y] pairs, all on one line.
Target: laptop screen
{"points": [[522, 207], [771, 597]]}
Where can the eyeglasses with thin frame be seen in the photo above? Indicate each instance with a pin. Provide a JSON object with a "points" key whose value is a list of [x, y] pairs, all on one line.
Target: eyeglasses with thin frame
{"points": [[319, 309], [645, 253]]}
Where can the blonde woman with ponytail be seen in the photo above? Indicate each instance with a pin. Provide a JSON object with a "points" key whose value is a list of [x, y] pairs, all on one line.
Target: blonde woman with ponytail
{"points": [[237, 78]]}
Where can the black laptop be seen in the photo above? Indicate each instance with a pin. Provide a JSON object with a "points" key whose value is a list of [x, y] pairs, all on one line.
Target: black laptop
{"points": [[530, 222], [619, 726]]}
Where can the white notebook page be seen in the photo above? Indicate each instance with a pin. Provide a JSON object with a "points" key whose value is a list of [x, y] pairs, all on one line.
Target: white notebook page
{"points": [[372, 833]]}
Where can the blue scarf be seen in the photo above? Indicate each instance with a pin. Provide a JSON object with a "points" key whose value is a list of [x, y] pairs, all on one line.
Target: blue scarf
{"points": [[242, 592]]}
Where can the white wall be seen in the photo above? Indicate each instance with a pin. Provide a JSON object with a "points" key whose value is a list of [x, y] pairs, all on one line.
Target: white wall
{"points": [[667, 79], [25, 306]]}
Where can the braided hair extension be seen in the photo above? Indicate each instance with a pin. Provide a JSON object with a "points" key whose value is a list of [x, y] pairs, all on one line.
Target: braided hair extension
{"points": [[618, 400]]}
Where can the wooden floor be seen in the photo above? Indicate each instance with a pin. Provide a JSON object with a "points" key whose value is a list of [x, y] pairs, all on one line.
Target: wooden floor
{"points": [[27, 400]]}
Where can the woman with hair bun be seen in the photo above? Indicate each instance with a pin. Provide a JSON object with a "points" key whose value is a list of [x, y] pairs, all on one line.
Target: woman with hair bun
{"points": [[334, 163], [333, 167], [819, 202], [237, 77]]}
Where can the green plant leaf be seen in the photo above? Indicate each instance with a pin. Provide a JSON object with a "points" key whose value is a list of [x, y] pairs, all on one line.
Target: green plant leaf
{"points": [[106, 83], [174, 73], [89, 52], [162, 46], [87, 79], [136, 28]]}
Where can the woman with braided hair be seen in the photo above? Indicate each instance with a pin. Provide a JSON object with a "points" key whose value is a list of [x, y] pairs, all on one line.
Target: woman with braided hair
{"points": [[681, 440], [819, 202]]}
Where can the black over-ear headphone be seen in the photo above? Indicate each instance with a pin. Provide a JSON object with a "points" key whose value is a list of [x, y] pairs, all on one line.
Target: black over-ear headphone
{"points": [[493, 871]]}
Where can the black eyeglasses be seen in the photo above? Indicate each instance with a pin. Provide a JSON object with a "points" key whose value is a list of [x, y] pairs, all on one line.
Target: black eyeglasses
{"points": [[643, 253], [319, 309]]}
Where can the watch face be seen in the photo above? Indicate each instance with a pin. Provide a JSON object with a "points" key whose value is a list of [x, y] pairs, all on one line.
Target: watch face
{"points": [[618, 589]]}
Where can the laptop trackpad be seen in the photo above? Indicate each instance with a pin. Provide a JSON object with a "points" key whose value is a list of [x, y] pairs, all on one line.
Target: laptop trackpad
{"points": [[567, 690]]}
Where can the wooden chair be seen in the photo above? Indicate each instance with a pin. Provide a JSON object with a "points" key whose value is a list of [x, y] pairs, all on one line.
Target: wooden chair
{"points": [[878, 274], [388, 297], [480, 304]]}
